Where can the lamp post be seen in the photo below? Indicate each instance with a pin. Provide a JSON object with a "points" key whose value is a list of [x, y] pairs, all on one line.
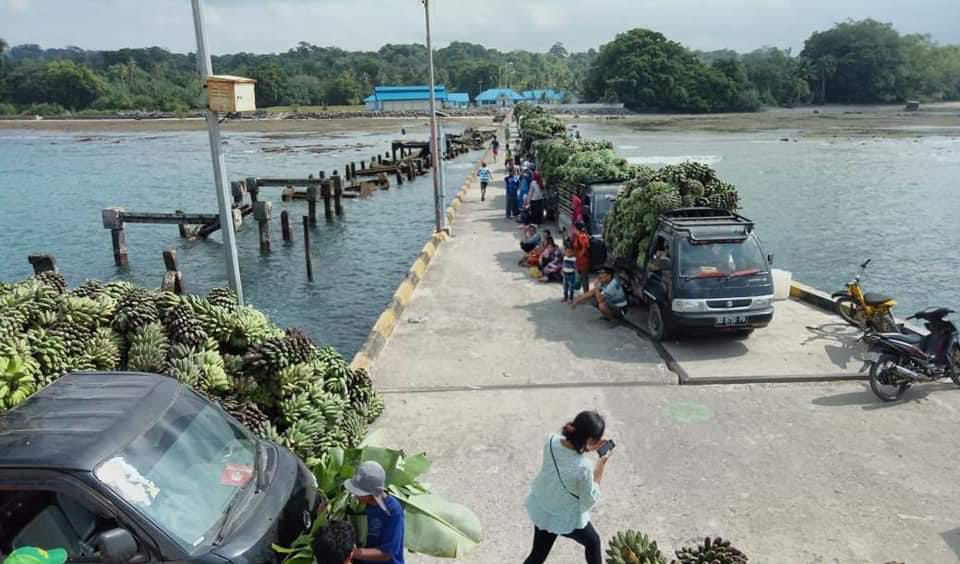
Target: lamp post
{"points": [[434, 142], [224, 197], [501, 70]]}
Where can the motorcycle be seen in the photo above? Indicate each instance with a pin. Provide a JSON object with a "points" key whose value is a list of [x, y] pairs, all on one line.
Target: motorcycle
{"points": [[898, 360], [868, 311]]}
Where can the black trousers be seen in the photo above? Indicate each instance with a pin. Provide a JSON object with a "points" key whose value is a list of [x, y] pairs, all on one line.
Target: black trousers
{"points": [[587, 537], [536, 211]]}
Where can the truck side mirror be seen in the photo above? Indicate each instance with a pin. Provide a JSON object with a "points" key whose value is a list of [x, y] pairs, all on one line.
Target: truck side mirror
{"points": [[770, 259], [117, 546]]}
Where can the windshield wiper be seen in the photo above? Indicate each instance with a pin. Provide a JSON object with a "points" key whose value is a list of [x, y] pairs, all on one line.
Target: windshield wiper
{"points": [[260, 466], [739, 273]]}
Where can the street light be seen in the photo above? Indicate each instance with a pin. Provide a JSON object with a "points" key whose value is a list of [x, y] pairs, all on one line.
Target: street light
{"points": [[500, 70], [434, 143]]}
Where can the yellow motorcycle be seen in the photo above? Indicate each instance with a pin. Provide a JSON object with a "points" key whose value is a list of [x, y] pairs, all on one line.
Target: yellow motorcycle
{"points": [[866, 310]]}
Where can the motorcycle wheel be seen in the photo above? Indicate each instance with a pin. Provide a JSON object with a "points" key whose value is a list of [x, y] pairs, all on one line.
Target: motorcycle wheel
{"points": [[851, 312], [879, 382], [953, 364]]}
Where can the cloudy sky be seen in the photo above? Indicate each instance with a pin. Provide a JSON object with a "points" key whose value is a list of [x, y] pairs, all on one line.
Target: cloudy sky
{"points": [[276, 25]]}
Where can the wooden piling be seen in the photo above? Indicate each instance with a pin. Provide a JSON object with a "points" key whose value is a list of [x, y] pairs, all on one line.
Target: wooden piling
{"points": [[312, 197], [326, 194], [353, 170], [399, 177], [323, 174], [337, 194], [306, 248], [172, 278], [236, 190], [181, 227], [253, 188], [285, 226], [262, 212], [42, 263], [119, 241]]}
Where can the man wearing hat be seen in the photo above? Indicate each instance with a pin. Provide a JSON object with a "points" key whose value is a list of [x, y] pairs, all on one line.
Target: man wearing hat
{"points": [[384, 516], [34, 555]]}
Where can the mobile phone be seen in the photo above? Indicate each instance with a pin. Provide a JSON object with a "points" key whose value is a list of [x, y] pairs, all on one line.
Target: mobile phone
{"points": [[607, 447]]}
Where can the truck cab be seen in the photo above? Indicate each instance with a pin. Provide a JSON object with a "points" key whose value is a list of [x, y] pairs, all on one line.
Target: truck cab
{"points": [[705, 271], [126, 468]]}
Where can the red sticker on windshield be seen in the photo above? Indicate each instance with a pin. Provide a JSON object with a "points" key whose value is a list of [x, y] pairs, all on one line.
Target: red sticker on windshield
{"points": [[236, 475]]}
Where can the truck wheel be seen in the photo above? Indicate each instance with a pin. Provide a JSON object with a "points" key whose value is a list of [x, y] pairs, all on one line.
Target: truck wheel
{"points": [[657, 325]]}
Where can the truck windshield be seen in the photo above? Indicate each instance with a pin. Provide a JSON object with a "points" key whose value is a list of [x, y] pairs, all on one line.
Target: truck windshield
{"points": [[185, 471], [721, 259]]}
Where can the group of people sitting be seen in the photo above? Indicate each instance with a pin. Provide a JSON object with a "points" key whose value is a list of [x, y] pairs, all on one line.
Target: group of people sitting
{"points": [[571, 266]]}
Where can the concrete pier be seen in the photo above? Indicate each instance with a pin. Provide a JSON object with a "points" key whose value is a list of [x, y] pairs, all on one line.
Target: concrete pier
{"points": [[484, 362]]}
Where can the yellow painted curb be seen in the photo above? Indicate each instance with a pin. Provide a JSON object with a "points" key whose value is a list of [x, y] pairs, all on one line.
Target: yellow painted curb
{"points": [[419, 267], [361, 361], [456, 204], [429, 249], [386, 323], [404, 293]]}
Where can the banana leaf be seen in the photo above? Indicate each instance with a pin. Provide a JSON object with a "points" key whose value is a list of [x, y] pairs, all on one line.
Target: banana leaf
{"points": [[437, 527]]}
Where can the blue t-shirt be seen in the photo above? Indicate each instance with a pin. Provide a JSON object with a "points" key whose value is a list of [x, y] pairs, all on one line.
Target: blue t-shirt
{"points": [[484, 175], [512, 184], [386, 531], [614, 293]]}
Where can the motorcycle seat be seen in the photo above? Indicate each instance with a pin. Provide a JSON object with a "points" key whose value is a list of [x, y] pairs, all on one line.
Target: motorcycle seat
{"points": [[876, 299], [904, 338]]}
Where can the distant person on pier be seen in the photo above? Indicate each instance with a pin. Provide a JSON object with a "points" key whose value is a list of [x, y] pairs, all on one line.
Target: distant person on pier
{"points": [[551, 263], [512, 186], [495, 145], [526, 175], [535, 200], [484, 175], [576, 204], [608, 296], [567, 488], [581, 247], [569, 272]]}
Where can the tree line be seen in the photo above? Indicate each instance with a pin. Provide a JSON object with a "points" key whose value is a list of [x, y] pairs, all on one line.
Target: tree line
{"points": [[853, 62]]}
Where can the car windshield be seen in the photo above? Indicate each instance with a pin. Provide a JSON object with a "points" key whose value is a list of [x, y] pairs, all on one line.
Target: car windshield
{"points": [[184, 471], [721, 259]]}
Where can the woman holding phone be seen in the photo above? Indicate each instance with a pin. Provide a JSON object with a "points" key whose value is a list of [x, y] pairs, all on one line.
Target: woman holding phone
{"points": [[566, 489]]}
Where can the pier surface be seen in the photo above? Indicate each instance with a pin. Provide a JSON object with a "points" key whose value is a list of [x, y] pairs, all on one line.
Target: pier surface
{"points": [[485, 362]]}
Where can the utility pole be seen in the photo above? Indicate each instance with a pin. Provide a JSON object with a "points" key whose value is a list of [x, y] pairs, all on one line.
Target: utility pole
{"points": [[224, 198], [434, 142]]}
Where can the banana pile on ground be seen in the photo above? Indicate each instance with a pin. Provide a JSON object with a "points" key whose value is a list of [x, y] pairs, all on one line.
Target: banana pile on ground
{"points": [[278, 383], [628, 228], [712, 551], [632, 547]]}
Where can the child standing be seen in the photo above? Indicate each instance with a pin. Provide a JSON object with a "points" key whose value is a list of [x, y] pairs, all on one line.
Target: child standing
{"points": [[484, 180], [569, 271]]}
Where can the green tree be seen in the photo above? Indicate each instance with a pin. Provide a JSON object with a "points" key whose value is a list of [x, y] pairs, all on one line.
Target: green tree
{"points": [[305, 90], [343, 90], [646, 71], [558, 50], [271, 84], [863, 62]]}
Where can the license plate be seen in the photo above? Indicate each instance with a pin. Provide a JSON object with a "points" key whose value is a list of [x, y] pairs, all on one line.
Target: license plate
{"points": [[871, 357], [731, 320]]}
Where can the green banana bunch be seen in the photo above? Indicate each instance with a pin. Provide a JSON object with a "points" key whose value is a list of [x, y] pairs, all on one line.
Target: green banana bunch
{"points": [[148, 349], [632, 547], [17, 381], [50, 352], [104, 349], [712, 551], [135, 308], [185, 328]]}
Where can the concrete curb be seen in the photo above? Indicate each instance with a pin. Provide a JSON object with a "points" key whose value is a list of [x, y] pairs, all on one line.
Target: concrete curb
{"points": [[383, 328], [812, 296]]}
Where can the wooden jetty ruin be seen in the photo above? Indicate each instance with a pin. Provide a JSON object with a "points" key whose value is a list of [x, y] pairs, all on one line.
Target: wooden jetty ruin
{"points": [[405, 161]]}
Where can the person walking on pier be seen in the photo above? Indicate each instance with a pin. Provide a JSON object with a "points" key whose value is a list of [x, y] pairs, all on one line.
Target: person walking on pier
{"points": [[567, 488], [569, 272], [484, 175], [495, 145], [535, 199]]}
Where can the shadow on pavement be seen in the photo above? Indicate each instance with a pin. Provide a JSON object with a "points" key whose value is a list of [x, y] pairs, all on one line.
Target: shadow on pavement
{"points": [[842, 347], [584, 331], [868, 401], [952, 538]]}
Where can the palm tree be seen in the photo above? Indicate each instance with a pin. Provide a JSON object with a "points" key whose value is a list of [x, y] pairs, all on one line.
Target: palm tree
{"points": [[3, 51]]}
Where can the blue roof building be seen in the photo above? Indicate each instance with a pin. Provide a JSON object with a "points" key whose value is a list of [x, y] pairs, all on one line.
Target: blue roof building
{"points": [[498, 97], [404, 98], [544, 96], [458, 100]]}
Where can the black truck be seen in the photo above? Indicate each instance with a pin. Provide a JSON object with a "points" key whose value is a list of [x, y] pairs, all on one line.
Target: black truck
{"points": [[133, 468], [705, 270]]}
